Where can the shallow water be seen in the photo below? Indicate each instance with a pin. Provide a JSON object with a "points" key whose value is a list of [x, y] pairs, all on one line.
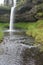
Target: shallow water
{"points": [[18, 49]]}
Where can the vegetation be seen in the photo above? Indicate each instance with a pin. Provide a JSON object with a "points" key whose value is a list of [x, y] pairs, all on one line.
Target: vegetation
{"points": [[3, 26], [35, 30], [1, 36], [25, 12], [5, 7], [20, 25]]}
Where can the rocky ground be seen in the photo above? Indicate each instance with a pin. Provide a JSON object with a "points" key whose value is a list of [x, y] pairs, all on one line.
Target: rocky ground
{"points": [[13, 51]]}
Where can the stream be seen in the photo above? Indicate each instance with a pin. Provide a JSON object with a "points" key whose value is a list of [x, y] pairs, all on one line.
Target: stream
{"points": [[18, 49]]}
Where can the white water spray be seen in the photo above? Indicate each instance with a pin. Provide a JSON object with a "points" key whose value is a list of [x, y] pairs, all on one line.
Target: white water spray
{"points": [[12, 16]]}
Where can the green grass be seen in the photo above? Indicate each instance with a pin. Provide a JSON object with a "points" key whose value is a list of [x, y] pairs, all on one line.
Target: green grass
{"points": [[21, 25], [3, 26], [34, 29], [1, 36]]}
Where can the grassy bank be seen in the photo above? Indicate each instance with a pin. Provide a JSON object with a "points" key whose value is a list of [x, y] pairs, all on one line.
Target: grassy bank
{"points": [[35, 30], [1, 35], [21, 25], [3, 26]]}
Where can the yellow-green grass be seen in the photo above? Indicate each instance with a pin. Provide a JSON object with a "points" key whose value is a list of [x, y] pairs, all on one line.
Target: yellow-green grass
{"points": [[34, 29], [1, 36], [1, 33], [3, 26], [21, 25]]}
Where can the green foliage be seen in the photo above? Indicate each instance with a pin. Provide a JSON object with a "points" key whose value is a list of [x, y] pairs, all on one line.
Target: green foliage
{"points": [[40, 14], [5, 7], [22, 25], [3, 26], [34, 29], [1, 36]]}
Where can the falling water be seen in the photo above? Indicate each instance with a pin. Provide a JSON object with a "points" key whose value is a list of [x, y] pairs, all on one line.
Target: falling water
{"points": [[12, 16]]}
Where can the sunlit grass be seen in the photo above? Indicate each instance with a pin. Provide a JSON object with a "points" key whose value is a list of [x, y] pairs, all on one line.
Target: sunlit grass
{"points": [[3, 26], [1, 36], [34, 29]]}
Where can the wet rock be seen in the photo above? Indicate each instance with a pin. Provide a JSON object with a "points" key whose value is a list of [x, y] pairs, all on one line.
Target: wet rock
{"points": [[26, 12], [1, 51], [15, 52]]}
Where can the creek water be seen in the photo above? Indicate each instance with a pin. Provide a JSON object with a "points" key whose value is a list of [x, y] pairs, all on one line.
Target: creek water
{"points": [[19, 50]]}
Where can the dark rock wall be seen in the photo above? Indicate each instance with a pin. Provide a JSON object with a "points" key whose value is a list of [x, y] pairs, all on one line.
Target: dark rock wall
{"points": [[29, 11], [4, 15]]}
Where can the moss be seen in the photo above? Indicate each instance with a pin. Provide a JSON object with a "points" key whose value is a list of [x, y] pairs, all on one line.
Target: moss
{"points": [[1, 36], [40, 14], [34, 29], [21, 25]]}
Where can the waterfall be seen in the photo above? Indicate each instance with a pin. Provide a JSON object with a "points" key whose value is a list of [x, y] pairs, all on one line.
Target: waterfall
{"points": [[12, 16]]}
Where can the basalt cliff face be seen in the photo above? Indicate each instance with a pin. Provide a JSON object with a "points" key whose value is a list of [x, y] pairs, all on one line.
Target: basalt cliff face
{"points": [[26, 11], [30, 11]]}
